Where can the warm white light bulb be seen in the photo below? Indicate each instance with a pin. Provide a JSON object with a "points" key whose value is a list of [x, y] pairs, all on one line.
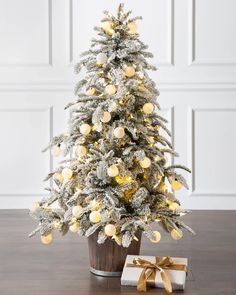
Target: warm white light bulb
{"points": [[176, 185], [74, 227], [129, 71], [56, 151], [90, 91], [77, 211], [67, 173], [47, 239], [132, 28], [95, 216], [110, 89], [81, 151], [58, 176], [176, 234]]}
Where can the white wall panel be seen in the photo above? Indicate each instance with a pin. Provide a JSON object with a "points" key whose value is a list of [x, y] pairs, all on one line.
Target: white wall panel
{"points": [[25, 33], [212, 145], [23, 130], [213, 31]]}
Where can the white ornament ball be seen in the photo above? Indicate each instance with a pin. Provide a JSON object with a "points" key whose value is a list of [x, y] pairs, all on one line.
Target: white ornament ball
{"points": [[145, 163], [101, 58], [81, 151], [106, 117], [67, 173], [77, 211], [110, 89], [85, 129], [176, 234], [110, 230], [148, 108], [157, 237], [47, 239], [74, 227], [90, 91], [132, 28], [129, 71], [95, 216], [56, 151], [113, 171], [119, 132]]}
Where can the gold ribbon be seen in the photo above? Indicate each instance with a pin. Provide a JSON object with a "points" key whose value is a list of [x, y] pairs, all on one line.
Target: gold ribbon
{"points": [[148, 273]]}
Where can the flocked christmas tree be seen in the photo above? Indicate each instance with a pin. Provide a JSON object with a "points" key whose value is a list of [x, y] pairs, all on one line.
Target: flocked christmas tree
{"points": [[116, 179]]}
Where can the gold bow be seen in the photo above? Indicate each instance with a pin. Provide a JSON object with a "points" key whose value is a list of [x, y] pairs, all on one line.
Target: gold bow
{"points": [[149, 271]]}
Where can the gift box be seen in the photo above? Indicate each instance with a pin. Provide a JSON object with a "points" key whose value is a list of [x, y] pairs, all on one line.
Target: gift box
{"points": [[160, 272]]}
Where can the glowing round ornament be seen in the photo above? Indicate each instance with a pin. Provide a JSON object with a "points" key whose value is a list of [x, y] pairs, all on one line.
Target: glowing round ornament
{"points": [[132, 28], [119, 132], [56, 151], [74, 227], [129, 71], [47, 239], [145, 163], [106, 117], [110, 230], [95, 216], [101, 58], [110, 89], [176, 234], [58, 176], [176, 185], [77, 211], [81, 151], [157, 237], [148, 108], [67, 173], [113, 171], [90, 91], [85, 129]]}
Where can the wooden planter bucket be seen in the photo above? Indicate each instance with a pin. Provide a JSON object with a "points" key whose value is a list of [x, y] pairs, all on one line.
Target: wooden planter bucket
{"points": [[108, 259]]}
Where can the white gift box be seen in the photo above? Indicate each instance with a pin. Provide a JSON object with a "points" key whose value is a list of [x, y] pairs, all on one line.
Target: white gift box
{"points": [[130, 275]]}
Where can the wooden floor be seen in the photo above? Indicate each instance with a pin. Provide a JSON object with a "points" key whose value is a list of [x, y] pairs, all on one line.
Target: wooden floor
{"points": [[29, 268]]}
